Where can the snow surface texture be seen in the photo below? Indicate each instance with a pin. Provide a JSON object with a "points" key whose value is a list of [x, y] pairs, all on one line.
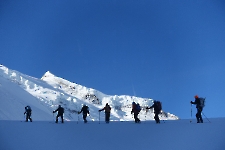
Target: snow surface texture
{"points": [[171, 135], [44, 95]]}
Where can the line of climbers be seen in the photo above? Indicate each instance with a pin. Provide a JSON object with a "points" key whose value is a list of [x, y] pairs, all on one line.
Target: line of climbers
{"points": [[85, 110], [157, 106]]}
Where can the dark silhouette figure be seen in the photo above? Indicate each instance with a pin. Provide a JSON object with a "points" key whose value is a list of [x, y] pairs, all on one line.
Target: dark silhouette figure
{"points": [[135, 110], [85, 110], [107, 109], [60, 113], [28, 111], [157, 110], [199, 109]]}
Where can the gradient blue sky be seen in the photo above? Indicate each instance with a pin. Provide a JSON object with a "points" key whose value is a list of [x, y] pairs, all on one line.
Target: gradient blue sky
{"points": [[168, 50]]}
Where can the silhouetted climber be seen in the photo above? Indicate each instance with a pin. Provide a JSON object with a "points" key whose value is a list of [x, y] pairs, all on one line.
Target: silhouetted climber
{"points": [[60, 113], [157, 110], [85, 110], [136, 109], [199, 102], [28, 111], [107, 109]]}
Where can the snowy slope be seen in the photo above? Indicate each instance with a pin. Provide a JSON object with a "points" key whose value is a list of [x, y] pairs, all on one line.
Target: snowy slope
{"points": [[13, 99], [171, 135], [44, 95]]}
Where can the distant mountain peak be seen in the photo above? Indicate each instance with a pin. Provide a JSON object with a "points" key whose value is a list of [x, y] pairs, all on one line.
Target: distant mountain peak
{"points": [[47, 74]]}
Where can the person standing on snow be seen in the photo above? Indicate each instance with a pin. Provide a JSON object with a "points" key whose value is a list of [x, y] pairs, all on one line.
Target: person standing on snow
{"points": [[107, 109], [60, 113], [135, 109], [85, 110], [199, 109], [157, 110], [28, 113]]}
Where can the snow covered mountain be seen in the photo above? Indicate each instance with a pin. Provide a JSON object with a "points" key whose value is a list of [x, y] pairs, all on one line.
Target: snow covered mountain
{"points": [[44, 95]]}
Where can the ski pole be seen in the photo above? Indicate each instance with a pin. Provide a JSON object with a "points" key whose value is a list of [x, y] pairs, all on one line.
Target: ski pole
{"points": [[145, 119], [206, 117], [91, 117], [99, 118], [162, 117], [191, 114], [78, 119]]}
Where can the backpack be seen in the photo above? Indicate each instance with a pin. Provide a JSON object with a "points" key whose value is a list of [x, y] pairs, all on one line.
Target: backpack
{"points": [[138, 108], [202, 102], [107, 108], [159, 105], [28, 109], [85, 109], [62, 110]]}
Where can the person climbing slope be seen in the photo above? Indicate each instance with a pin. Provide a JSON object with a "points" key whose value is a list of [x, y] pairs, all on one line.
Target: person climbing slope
{"points": [[107, 109], [60, 111]]}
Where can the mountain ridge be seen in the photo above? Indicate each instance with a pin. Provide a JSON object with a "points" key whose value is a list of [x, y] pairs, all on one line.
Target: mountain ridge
{"points": [[50, 91]]}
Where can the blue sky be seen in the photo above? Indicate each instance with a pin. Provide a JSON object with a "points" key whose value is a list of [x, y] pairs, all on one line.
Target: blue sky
{"points": [[165, 50]]}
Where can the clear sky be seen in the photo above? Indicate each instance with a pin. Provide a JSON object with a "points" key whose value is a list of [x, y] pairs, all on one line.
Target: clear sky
{"points": [[168, 50]]}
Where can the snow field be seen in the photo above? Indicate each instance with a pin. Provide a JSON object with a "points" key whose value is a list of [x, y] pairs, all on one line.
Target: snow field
{"points": [[174, 135]]}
